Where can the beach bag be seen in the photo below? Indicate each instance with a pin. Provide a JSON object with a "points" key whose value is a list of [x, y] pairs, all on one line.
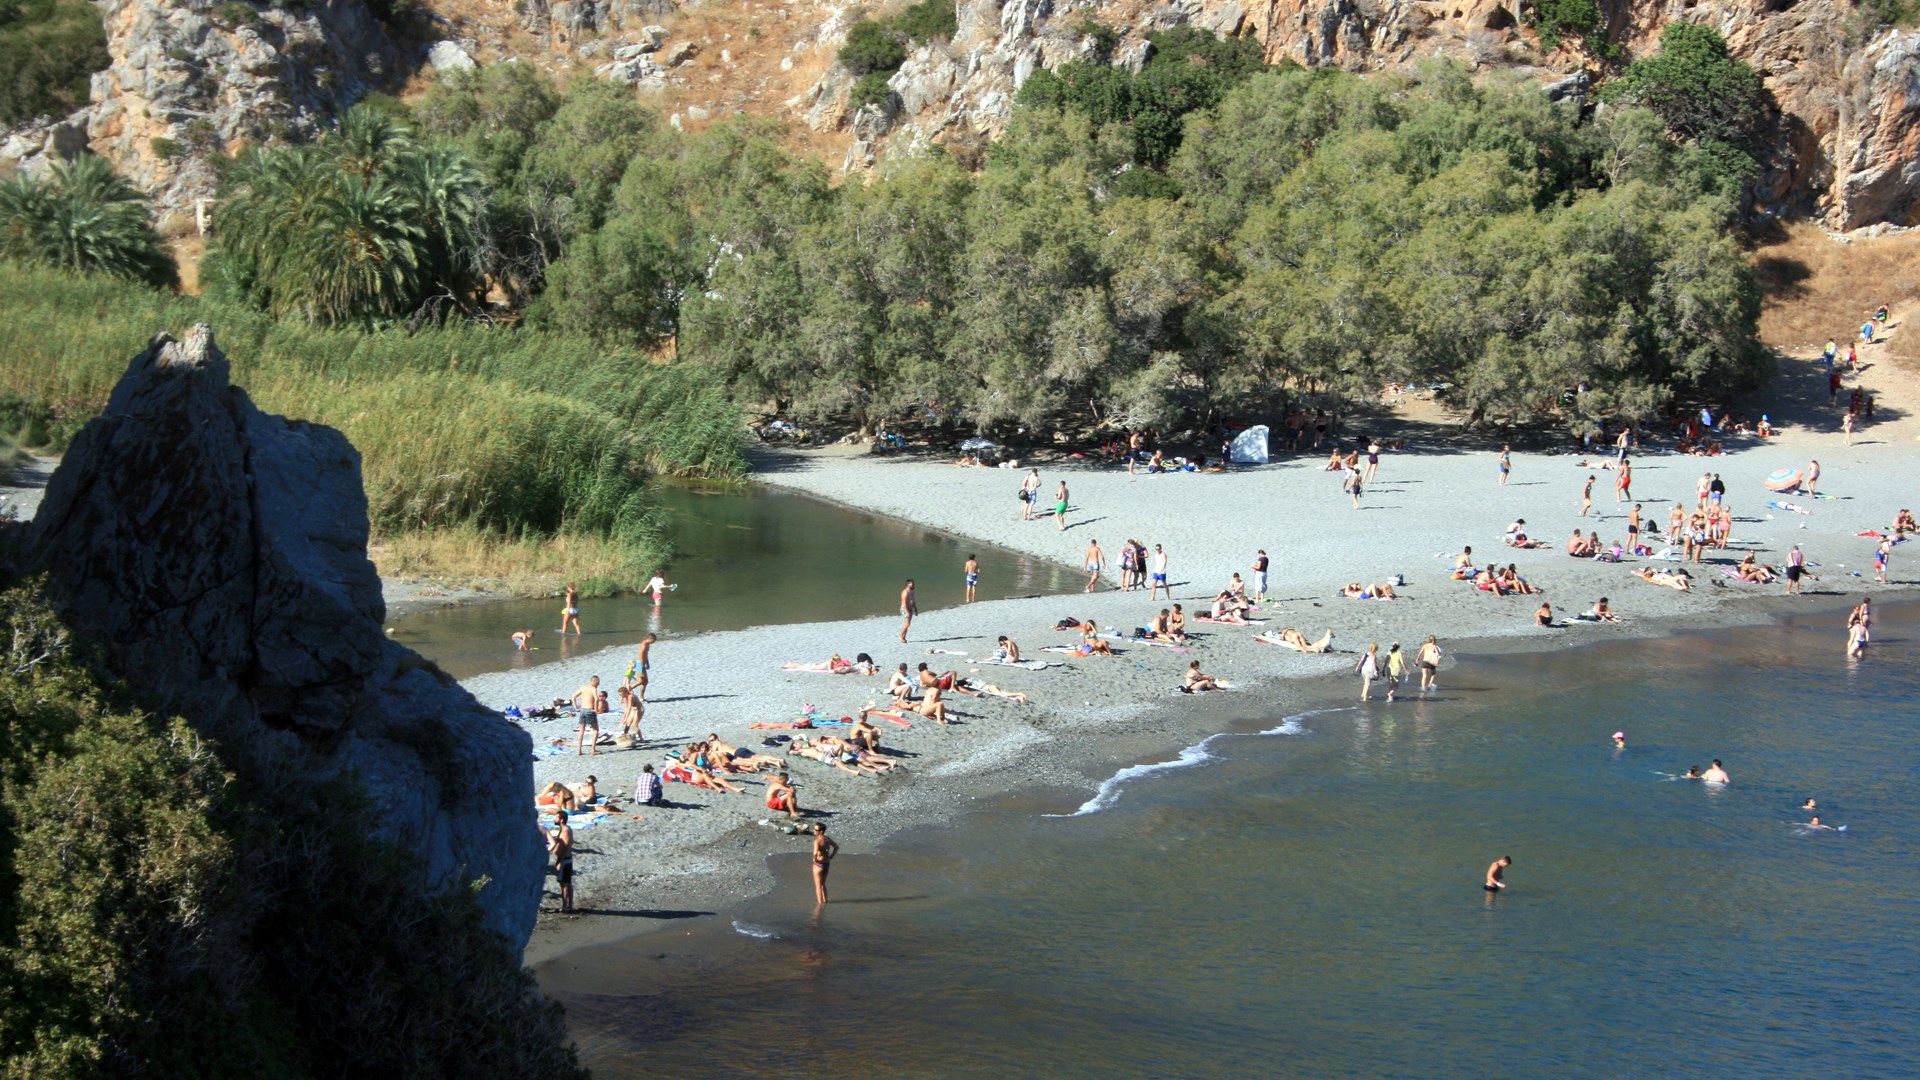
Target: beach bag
{"points": [[623, 741]]}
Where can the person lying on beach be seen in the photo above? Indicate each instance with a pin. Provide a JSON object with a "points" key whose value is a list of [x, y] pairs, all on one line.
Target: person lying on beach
{"points": [[1294, 639], [1676, 579], [704, 777], [1750, 570], [835, 665], [827, 749], [730, 758], [1199, 682], [980, 689], [1357, 591], [1006, 650], [864, 665]]}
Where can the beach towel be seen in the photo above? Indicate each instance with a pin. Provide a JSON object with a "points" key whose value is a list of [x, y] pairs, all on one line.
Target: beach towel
{"points": [[548, 751], [893, 716], [1228, 622], [1789, 506], [1030, 665], [801, 723], [1144, 641]]}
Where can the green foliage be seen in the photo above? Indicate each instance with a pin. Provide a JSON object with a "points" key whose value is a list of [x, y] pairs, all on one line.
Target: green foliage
{"points": [[1701, 93], [1555, 20], [48, 50], [82, 217], [363, 225], [1877, 13], [168, 912], [1104, 37], [514, 432], [928, 20], [872, 89], [871, 47]]}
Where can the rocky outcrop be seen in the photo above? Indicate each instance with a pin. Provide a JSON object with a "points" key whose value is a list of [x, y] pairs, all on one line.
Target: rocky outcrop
{"points": [[220, 554], [1848, 150]]}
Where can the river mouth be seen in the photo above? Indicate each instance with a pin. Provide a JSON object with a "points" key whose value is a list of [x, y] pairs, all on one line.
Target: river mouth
{"points": [[745, 555]]}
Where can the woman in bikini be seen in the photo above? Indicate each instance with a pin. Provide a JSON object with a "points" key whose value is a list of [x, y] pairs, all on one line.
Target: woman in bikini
{"points": [[1198, 681], [1091, 643], [1177, 624], [824, 849], [570, 610]]}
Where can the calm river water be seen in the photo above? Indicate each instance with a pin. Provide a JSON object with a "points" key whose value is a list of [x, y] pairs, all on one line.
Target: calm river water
{"points": [[744, 556], [1303, 897]]}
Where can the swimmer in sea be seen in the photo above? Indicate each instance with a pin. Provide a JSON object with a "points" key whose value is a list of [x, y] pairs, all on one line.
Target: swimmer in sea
{"points": [[1620, 739], [1715, 774], [1815, 824], [1497, 873], [1809, 804], [1693, 773]]}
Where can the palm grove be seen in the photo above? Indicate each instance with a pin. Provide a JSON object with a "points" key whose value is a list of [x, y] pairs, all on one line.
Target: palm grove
{"points": [[1209, 235]]}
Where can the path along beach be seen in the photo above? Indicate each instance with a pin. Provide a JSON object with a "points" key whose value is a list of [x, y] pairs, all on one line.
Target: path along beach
{"points": [[1092, 716]]}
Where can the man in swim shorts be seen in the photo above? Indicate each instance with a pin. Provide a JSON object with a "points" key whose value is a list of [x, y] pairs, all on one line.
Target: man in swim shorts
{"points": [[780, 796], [973, 576], [638, 675], [1060, 507], [586, 699], [908, 609], [1095, 560], [1497, 873], [1260, 576], [1159, 574], [560, 843]]}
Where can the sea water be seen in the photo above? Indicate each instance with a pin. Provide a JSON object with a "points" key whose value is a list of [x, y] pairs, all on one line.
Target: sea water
{"points": [[744, 555], [1303, 897]]}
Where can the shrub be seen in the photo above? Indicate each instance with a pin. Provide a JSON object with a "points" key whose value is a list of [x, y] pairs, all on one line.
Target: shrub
{"points": [[926, 21], [82, 217], [48, 50], [871, 47], [164, 148], [872, 89]]}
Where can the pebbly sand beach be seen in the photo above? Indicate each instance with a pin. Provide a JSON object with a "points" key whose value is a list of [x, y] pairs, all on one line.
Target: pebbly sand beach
{"points": [[1089, 717]]}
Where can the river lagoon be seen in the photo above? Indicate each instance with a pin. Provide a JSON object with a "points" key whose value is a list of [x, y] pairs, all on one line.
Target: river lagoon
{"points": [[744, 555], [1302, 895]]}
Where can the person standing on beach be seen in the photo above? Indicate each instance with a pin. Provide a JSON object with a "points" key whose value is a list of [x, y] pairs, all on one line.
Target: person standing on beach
{"points": [[1623, 487], [973, 576], [1159, 574], [1368, 669], [1353, 486], [824, 849], [1506, 464], [1373, 459], [1796, 568], [1813, 478], [1586, 496], [1260, 576], [1428, 659], [570, 610], [1633, 529], [1846, 426], [1029, 494], [637, 675], [586, 699], [908, 609], [1060, 507], [1127, 566], [560, 844], [1096, 561], [1497, 873], [1880, 556], [1621, 444]]}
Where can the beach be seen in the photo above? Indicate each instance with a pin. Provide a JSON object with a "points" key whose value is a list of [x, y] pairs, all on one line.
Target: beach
{"points": [[1090, 717]]}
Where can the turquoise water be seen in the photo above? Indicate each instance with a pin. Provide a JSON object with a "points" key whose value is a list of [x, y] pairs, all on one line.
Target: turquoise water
{"points": [[1307, 902], [743, 556]]}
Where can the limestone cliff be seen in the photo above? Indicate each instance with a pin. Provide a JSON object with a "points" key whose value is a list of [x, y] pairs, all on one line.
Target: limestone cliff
{"points": [[201, 75], [220, 553]]}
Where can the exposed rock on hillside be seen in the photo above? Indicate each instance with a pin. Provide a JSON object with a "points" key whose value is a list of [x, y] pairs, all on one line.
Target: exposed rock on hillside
{"points": [[221, 555]]}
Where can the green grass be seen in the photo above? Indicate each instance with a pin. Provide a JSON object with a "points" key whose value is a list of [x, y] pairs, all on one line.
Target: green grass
{"points": [[507, 433]]}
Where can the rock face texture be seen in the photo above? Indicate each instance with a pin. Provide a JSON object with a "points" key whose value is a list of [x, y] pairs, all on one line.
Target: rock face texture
{"points": [[221, 554], [191, 77]]}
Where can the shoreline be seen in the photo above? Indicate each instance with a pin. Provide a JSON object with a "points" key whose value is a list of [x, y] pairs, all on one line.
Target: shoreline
{"points": [[680, 862]]}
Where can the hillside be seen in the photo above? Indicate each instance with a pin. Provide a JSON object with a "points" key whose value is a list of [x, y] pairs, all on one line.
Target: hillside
{"points": [[192, 77]]}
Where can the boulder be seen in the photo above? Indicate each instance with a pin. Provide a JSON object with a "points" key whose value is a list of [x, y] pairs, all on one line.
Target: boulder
{"points": [[219, 556], [680, 53], [446, 56]]}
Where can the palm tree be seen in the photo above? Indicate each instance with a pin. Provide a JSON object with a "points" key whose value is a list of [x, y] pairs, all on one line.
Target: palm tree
{"points": [[368, 141], [447, 188], [361, 255], [82, 217]]}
